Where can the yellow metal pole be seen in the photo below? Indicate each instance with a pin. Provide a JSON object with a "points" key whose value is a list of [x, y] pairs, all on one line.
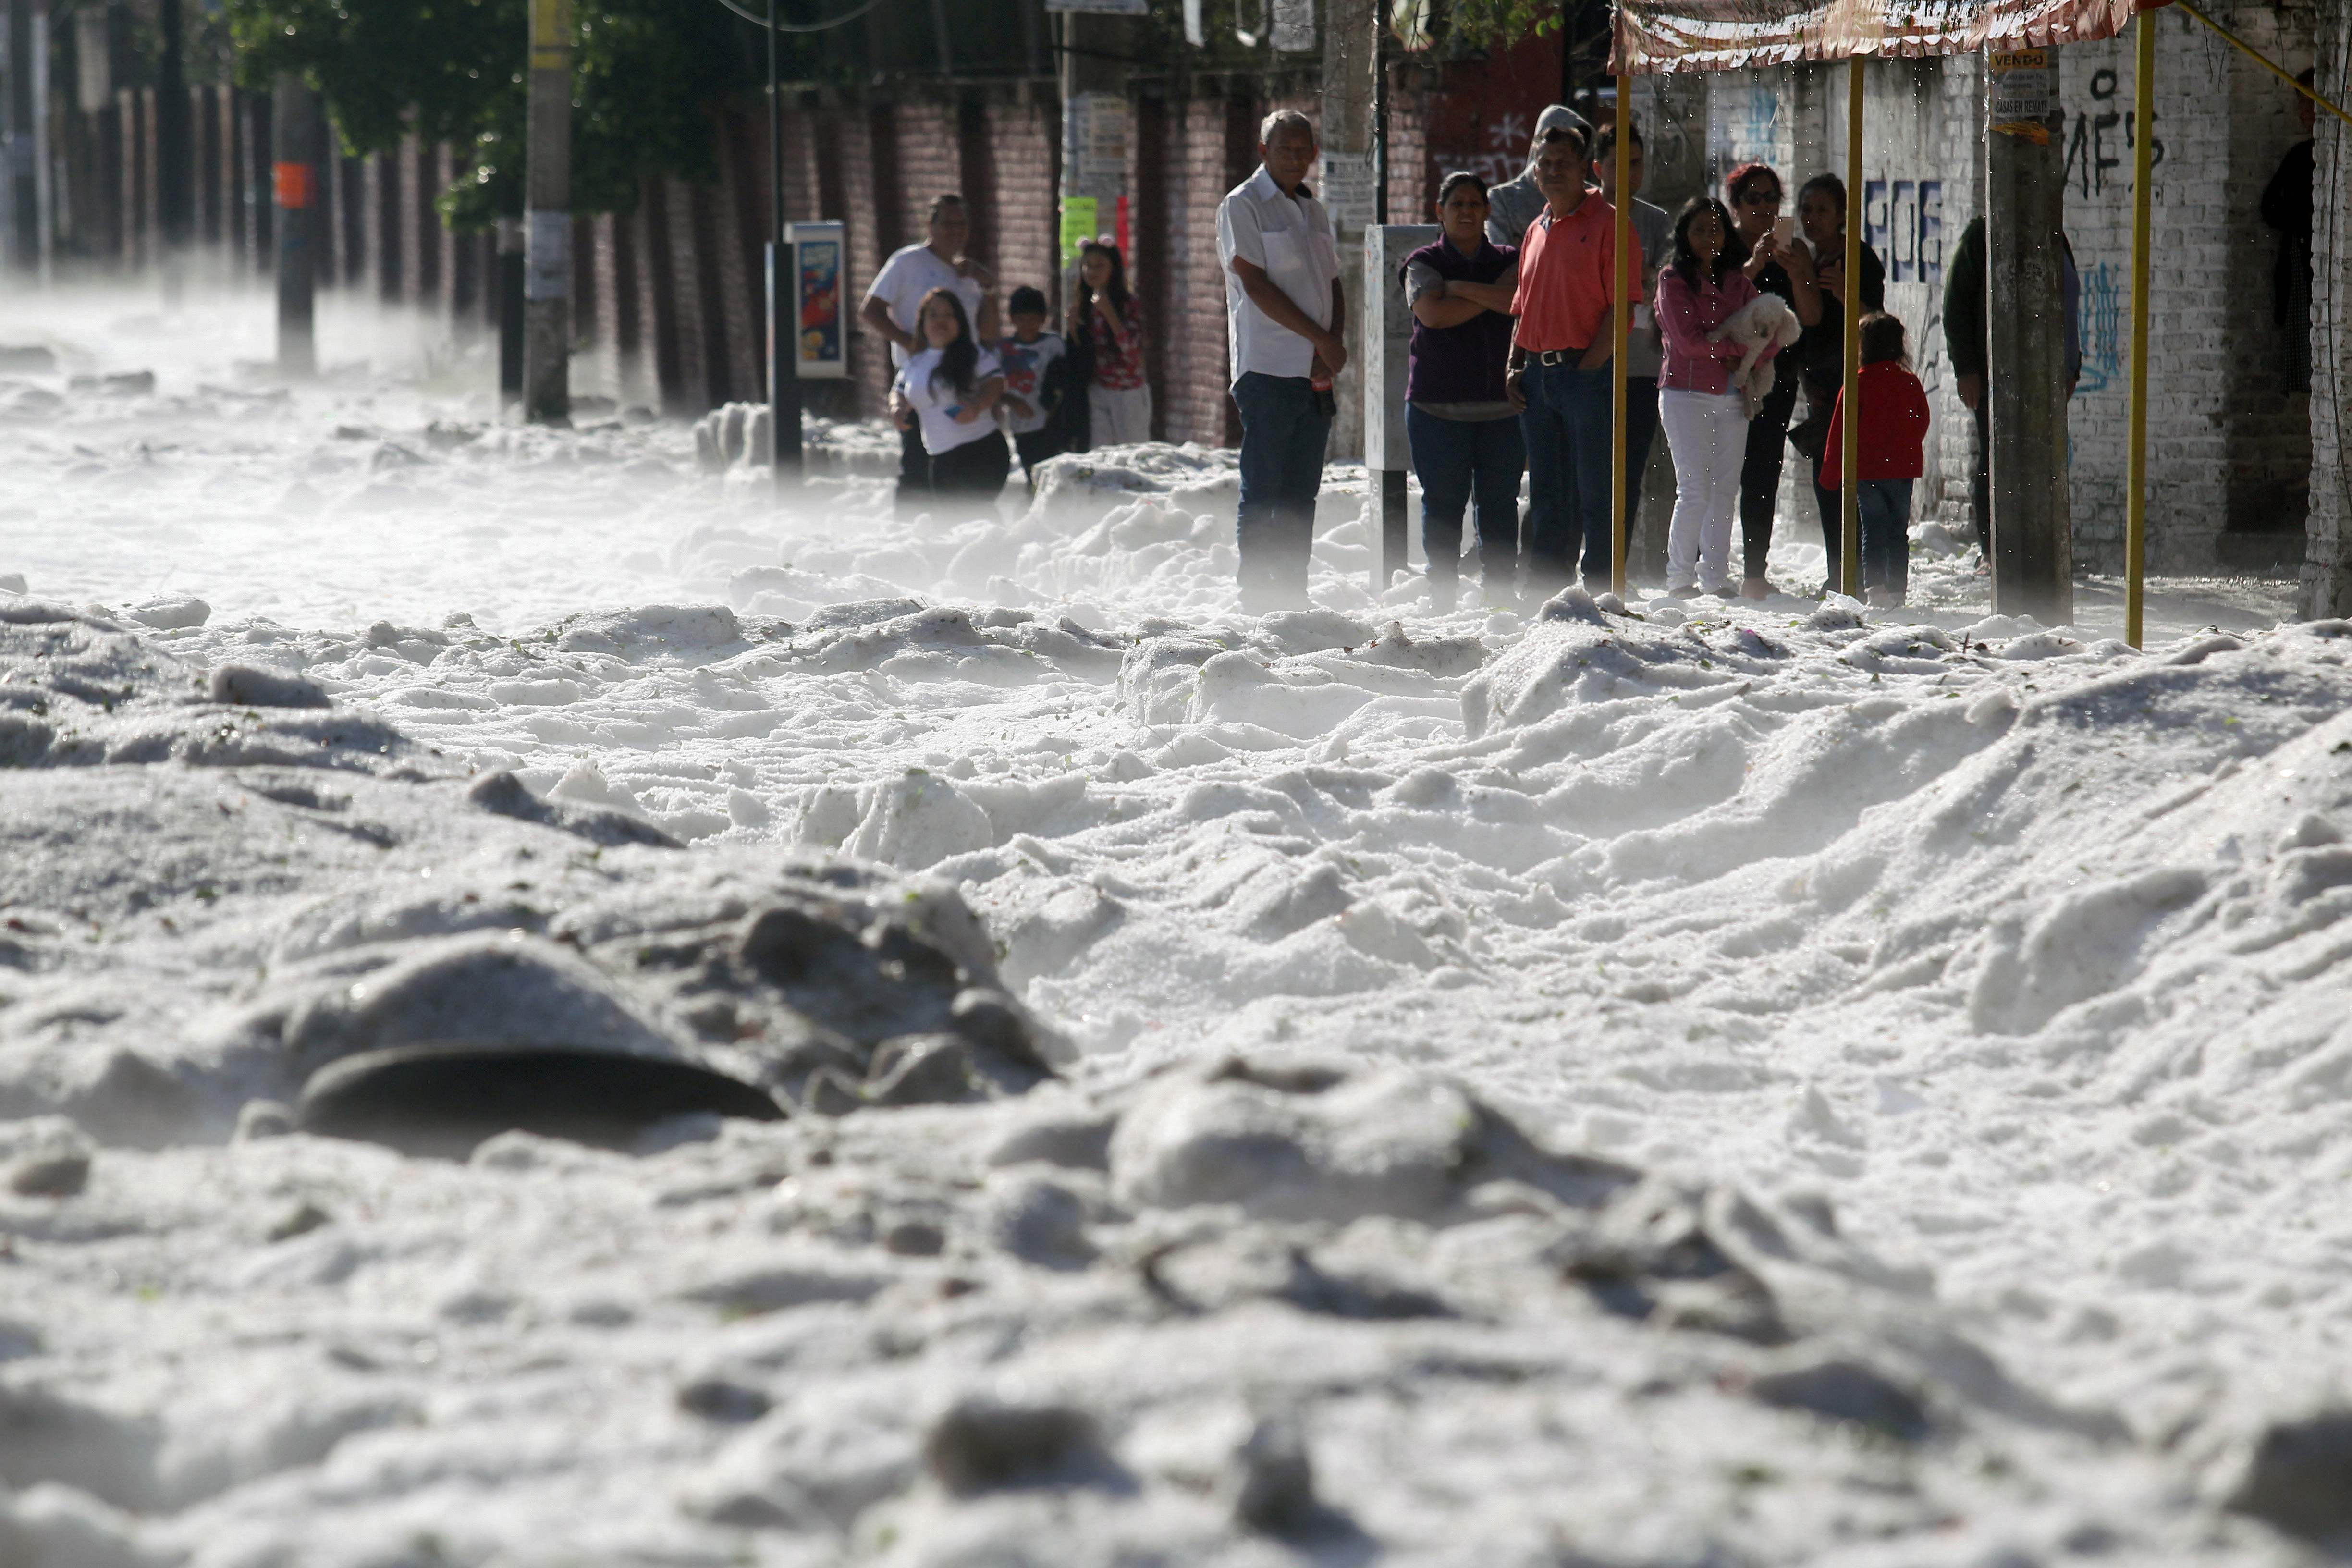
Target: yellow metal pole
{"points": [[1850, 458], [1618, 313], [2135, 481]]}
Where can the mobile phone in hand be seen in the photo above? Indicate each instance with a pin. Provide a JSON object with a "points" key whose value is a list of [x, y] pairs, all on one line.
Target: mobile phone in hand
{"points": [[1784, 230]]}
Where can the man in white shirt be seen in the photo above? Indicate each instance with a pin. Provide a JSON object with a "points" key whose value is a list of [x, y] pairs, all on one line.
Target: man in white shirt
{"points": [[889, 309], [1284, 320]]}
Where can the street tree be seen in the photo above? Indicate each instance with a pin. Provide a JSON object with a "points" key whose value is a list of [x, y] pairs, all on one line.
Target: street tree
{"points": [[648, 75]]}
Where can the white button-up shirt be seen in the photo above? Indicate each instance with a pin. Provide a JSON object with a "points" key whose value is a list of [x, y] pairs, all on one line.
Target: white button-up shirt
{"points": [[1290, 237], [913, 272]]}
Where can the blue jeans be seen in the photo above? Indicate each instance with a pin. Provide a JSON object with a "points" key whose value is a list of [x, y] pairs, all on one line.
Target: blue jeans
{"points": [[1567, 430], [1885, 535], [1457, 459], [1283, 432]]}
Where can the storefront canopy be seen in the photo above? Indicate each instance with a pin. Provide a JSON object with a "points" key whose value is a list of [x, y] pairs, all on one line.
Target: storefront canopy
{"points": [[1654, 35]]}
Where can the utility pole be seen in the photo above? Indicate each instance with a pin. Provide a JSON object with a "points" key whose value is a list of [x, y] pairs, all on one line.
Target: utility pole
{"points": [[508, 281], [1350, 78], [783, 297], [24, 219], [2032, 531], [547, 218], [294, 126], [174, 151], [43, 217]]}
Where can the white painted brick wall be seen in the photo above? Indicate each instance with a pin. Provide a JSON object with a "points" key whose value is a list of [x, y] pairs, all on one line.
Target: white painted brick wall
{"points": [[2224, 435]]}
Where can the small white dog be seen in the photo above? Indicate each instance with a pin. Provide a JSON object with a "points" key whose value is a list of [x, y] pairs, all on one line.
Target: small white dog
{"points": [[1762, 321]]}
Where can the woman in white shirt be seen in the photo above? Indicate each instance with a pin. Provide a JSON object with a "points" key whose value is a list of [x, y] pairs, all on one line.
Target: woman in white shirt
{"points": [[949, 388]]}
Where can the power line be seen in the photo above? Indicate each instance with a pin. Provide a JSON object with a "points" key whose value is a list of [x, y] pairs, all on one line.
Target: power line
{"points": [[840, 21]]}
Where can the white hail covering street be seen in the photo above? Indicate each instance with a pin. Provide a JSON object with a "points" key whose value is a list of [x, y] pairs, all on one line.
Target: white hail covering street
{"points": [[1686, 1085]]}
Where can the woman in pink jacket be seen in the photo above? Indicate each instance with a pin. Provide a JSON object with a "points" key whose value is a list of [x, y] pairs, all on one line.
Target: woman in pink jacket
{"points": [[1706, 423]]}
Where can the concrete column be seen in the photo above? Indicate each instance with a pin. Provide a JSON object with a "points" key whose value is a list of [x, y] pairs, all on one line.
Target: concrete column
{"points": [[24, 207], [547, 219], [2326, 587], [1350, 81], [2033, 535]]}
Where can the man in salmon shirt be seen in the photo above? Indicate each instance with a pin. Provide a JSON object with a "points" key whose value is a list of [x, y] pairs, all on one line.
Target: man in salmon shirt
{"points": [[1560, 367]]}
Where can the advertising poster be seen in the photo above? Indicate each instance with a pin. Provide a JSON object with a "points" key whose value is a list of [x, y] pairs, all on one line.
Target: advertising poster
{"points": [[819, 250]]}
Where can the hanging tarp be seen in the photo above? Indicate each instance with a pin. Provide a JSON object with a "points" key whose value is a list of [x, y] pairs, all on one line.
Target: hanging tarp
{"points": [[1655, 35]]}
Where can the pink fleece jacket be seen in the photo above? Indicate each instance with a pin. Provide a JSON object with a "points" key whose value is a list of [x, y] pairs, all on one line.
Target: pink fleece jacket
{"points": [[1686, 316]]}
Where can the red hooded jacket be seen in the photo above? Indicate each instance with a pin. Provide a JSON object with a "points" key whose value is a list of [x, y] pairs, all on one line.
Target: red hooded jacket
{"points": [[1893, 427]]}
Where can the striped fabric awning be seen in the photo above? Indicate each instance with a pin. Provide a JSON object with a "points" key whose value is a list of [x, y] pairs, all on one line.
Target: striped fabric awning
{"points": [[1655, 35]]}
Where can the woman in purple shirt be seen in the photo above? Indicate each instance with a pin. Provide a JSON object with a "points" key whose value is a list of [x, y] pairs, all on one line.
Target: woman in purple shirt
{"points": [[1458, 415], [1704, 420]]}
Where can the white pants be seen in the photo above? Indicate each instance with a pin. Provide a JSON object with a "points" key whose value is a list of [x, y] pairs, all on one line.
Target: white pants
{"points": [[1708, 434], [1119, 417]]}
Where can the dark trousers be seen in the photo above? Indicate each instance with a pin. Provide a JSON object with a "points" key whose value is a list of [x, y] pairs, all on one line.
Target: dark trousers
{"points": [[1459, 461], [1641, 431], [1833, 511], [1567, 428], [977, 470], [1035, 447], [1759, 474], [1981, 482], [914, 493], [1886, 535], [1284, 433]]}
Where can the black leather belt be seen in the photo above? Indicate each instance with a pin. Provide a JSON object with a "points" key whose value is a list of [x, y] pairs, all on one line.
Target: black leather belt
{"points": [[1559, 356]]}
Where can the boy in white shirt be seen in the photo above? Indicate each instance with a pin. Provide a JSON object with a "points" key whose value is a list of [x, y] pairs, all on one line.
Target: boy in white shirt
{"points": [[1036, 361]]}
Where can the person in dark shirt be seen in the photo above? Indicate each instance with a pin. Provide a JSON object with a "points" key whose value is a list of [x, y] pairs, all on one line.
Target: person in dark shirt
{"points": [[1458, 416], [1753, 195], [2287, 207], [1966, 302], [1820, 216]]}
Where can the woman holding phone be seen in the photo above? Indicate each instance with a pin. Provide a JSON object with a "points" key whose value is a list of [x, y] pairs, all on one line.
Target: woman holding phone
{"points": [[1778, 265], [1820, 212]]}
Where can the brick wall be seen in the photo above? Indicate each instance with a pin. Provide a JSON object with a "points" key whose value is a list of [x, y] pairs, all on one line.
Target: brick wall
{"points": [[1209, 147], [1023, 144], [2269, 477], [2189, 283]]}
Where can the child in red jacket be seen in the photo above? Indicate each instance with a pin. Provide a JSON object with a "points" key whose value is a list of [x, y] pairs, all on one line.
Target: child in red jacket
{"points": [[1892, 454]]}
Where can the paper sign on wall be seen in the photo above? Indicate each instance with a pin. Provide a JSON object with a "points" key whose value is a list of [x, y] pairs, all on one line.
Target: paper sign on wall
{"points": [[1294, 25], [2024, 90], [1079, 214], [1345, 183]]}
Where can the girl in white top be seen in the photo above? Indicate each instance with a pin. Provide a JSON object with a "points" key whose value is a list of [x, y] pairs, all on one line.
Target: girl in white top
{"points": [[949, 387]]}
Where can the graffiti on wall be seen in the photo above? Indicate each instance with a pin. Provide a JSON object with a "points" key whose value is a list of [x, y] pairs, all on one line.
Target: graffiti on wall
{"points": [[1743, 127], [2103, 141], [1485, 113], [2099, 324], [1903, 220]]}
